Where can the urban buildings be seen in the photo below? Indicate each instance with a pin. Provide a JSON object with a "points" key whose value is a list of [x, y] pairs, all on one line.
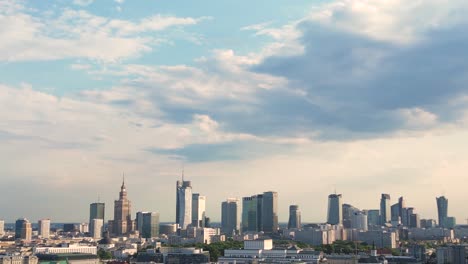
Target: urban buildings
{"points": [[359, 220], [183, 203], [442, 210], [198, 210], [2, 228], [252, 213], [270, 212], [385, 213], [96, 228], [373, 217], [230, 216], [23, 229], [96, 211], [335, 209], [122, 223], [44, 228], [150, 225], [294, 217], [348, 212], [260, 213]]}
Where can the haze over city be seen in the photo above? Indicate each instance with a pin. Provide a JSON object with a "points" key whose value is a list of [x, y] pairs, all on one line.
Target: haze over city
{"points": [[298, 97]]}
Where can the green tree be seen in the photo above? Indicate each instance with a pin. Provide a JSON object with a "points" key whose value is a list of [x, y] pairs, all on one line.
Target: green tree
{"points": [[103, 255]]}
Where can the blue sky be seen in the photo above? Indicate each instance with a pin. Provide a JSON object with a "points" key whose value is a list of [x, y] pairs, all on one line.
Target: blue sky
{"points": [[293, 96]]}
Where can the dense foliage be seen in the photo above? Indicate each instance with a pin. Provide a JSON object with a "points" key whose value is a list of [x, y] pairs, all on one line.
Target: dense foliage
{"points": [[102, 254]]}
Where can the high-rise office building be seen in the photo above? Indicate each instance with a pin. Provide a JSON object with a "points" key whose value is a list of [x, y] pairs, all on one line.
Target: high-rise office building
{"points": [[442, 210], [96, 211], [150, 227], [230, 216], [44, 228], [395, 213], [184, 204], [18, 226], [406, 215], [198, 210], [252, 213], [270, 212], [359, 220], [260, 213], [414, 221], [122, 223], [335, 209], [294, 217], [385, 213], [2, 228], [23, 229], [97, 226], [401, 205], [373, 217], [348, 212], [139, 221]]}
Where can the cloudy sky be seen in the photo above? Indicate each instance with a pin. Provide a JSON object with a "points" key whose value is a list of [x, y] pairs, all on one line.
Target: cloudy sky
{"points": [[300, 97]]}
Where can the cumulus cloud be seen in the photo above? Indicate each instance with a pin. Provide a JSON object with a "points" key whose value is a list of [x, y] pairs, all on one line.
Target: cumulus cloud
{"points": [[395, 21], [78, 34]]}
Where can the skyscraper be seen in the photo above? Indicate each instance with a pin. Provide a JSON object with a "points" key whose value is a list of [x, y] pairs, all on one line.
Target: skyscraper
{"points": [[122, 222], [150, 226], [96, 230], [96, 211], [385, 213], [23, 229], [183, 203], [442, 210], [18, 226], [373, 217], [294, 217], [198, 210], [230, 216], [44, 228], [252, 213], [348, 212], [401, 205], [335, 209], [270, 212], [395, 213], [139, 221], [359, 220]]}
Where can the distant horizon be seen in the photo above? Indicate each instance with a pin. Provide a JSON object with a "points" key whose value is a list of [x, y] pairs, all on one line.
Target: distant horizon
{"points": [[300, 97]]}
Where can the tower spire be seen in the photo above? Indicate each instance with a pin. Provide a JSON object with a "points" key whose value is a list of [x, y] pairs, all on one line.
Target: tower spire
{"points": [[123, 180]]}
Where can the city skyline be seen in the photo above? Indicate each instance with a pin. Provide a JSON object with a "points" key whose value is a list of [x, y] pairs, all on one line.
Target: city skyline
{"points": [[335, 203], [366, 96]]}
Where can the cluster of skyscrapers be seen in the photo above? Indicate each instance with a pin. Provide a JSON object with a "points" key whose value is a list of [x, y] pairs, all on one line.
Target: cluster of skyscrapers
{"points": [[388, 214], [256, 213]]}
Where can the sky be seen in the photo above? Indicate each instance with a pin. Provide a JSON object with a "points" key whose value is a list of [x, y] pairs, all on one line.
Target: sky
{"points": [[300, 97]]}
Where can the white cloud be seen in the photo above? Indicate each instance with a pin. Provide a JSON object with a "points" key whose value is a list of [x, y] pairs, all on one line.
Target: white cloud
{"points": [[78, 34], [418, 117], [395, 21], [83, 2]]}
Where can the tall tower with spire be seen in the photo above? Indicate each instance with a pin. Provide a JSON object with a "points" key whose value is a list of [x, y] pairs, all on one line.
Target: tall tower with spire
{"points": [[183, 203], [123, 222]]}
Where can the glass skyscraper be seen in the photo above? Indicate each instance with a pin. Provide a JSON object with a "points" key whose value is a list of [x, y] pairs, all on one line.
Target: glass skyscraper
{"points": [[198, 210], [230, 216], [184, 204], [335, 209], [294, 217], [442, 210], [385, 211]]}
